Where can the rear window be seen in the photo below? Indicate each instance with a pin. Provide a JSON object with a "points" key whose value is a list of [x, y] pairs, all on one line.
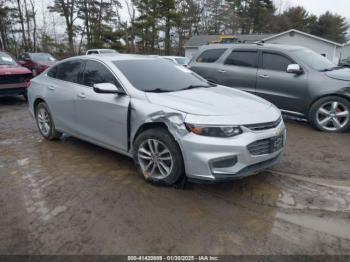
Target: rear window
{"points": [[211, 55], [242, 58]]}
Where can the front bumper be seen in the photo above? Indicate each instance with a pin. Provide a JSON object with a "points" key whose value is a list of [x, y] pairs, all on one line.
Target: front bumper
{"points": [[16, 89], [201, 153]]}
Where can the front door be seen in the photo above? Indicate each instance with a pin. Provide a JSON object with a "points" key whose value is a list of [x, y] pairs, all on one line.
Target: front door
{"points": [[285, 90], [102, 117]]}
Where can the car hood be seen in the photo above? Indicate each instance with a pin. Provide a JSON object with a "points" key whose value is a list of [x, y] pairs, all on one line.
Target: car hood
{"points": [[13, 70], [214, 101], [340, 74]]}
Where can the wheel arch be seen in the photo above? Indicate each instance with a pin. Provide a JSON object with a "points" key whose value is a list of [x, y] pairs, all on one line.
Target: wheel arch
{"points": [[146, 126], [149, 125], [326, 95], [36, 102]]}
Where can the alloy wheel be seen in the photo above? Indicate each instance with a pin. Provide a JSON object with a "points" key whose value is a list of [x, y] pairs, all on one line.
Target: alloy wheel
{"points": [[332, 116], [155, 159], [44, 121]]}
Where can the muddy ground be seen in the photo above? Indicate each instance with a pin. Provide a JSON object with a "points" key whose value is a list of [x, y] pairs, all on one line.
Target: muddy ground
{"points": [[71, 197]]}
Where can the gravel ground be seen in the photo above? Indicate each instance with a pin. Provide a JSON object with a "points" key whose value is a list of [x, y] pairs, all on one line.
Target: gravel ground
{"points": [[71, 197]]}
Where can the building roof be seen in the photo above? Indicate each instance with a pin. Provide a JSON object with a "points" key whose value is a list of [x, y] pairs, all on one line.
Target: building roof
{"points": [[199, 40], [305, 34]]}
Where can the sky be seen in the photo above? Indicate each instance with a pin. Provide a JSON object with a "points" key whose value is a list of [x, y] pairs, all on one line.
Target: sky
{"points": [[318, 7]]}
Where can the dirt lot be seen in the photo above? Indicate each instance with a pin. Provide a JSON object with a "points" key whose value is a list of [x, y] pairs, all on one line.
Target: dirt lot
{"points": [[71, 197]]}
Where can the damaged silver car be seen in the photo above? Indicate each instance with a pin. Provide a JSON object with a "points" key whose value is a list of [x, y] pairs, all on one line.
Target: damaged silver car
{"points": [[171, 121]]}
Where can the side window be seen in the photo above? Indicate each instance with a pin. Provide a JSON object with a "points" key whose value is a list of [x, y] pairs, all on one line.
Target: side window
{"points": [[69, 71], [96, 73], [275, 62], [92, 52], [242, 58], [52, 72], [210, 55]]}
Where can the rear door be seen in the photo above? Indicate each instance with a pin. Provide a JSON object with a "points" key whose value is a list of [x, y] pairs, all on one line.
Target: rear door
{"points": [[206, 63], [239, 70], [285, 90], [63, 80], [102, 117]]}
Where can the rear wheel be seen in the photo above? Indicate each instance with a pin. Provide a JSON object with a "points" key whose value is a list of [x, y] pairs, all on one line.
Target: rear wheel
{"points": [[331, 114], [45, 123], [158, 157]]}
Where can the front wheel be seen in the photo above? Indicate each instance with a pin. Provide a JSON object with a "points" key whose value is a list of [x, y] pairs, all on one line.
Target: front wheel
{"points": [[158, 157], [331, 114]]}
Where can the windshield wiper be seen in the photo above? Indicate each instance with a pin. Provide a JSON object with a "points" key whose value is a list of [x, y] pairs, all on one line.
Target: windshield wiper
{"points": [[198, 86], [157, 90], [333, 68]]}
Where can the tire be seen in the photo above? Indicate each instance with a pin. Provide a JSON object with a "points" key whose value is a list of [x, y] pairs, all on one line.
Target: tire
{"points": [[149, 148], [45, 123], [331, 114]]}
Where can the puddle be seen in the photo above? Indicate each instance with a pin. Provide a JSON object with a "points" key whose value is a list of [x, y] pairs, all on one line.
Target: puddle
{"points": [[333, 226]]}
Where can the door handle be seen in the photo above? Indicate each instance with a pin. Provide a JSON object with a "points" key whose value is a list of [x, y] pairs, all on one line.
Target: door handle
{"points": [[81, 95], [264, 76], [52, 88], [221, 71]]}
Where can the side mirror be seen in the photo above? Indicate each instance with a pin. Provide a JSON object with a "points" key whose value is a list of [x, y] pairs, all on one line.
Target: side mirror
{"points": [[107, 88], [294, 69]]}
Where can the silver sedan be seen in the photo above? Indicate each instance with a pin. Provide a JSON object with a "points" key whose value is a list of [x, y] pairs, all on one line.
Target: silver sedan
{"points": [[171, 121]]}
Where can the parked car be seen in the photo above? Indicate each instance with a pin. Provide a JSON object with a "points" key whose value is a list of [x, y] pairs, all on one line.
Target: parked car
{"points": [[345, 62], [299, 81], [14, 79], [101, 51], [180, 60], [36, 62], [169, 119]]}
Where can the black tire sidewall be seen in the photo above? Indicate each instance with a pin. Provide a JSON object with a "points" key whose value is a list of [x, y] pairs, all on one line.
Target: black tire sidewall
{"points": [[320, 102], [165, 137]]}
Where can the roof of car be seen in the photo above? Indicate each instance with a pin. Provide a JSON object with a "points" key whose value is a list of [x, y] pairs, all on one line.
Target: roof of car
{"points": [[117, 57], [100, 49], [173, 56], [253, 46]]}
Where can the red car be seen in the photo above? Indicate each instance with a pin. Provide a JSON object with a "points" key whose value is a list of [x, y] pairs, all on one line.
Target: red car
{"points": [[14, 79], [36, 62]]}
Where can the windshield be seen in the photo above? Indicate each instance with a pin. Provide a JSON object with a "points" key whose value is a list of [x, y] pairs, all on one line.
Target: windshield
{"points": [[5, 59], [42, 57], [182, 60], [158, 75], [314, 60]]}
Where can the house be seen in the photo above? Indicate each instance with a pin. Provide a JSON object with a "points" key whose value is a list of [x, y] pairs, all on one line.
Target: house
{"points": [[346, 51], [196, 41], [327, 48]]}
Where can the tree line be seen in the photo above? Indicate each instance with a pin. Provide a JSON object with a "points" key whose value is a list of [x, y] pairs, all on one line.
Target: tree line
{"points": [[150, 25]]}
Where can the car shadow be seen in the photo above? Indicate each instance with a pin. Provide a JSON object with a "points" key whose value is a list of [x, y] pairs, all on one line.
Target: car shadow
{"points": [[12, 100]]}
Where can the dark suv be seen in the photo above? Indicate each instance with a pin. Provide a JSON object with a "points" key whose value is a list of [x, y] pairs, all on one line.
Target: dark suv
{"points": [[299, 81]]}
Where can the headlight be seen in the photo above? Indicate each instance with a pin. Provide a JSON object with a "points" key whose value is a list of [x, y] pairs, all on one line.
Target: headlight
{"points": [[214, 131]]}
